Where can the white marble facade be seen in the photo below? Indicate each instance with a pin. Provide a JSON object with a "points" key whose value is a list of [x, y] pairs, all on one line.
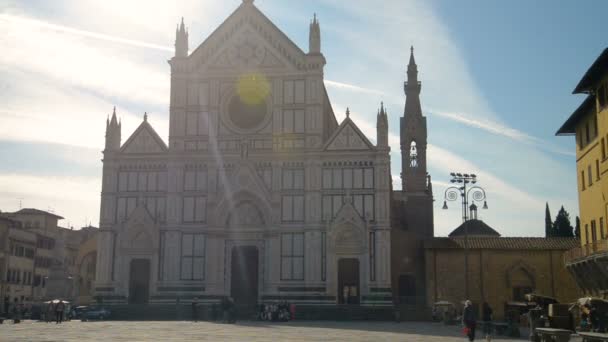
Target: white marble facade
{"points": [[255, 158]]}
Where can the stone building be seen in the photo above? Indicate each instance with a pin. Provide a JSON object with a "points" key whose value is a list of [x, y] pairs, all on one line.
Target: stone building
{"points": [[17, 251], [260, 194], [500, 269], [589, 125], [60, 258]]}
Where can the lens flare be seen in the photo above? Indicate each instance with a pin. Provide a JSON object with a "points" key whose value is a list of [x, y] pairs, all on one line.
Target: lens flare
{"points": [[253, 88]]}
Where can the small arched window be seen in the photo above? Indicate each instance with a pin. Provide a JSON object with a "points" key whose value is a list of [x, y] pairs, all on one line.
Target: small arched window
{"points": [[413, 155]]}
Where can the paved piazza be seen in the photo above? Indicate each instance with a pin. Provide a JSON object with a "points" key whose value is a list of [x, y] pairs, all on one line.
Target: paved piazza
{"points": [[242, 331]]}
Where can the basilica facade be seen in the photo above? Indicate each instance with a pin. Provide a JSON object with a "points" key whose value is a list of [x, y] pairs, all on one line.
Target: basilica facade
{"points": [[260, 194]]}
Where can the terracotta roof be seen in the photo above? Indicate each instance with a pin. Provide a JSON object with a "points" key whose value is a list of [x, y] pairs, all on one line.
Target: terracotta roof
{"points": [[588, 106], [593, 75], [32, 211], [519, 243], [474, 228]]}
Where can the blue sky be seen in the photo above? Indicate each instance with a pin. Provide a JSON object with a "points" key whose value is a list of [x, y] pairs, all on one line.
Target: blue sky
{"points": [[497, 79]]}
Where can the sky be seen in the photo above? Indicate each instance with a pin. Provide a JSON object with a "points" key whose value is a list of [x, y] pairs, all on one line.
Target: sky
{"points": [[497, 78]]}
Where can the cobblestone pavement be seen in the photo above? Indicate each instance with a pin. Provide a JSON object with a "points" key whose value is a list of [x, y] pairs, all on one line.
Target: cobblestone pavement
{"points": [[242, 331]]}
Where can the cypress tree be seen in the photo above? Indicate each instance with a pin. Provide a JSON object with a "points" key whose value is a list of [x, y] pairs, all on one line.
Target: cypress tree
{"points": [[548, 223], [562, 226], [577, 228]]}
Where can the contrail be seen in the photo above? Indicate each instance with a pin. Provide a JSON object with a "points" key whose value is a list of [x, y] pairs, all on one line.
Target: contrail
{"points": [[59, 28]]}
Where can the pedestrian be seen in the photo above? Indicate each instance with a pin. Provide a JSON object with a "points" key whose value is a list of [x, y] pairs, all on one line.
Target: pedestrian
{"points": [[345, 294], [49, 312], [59, 308], [486, 316], [469, 320], [195, 309]]}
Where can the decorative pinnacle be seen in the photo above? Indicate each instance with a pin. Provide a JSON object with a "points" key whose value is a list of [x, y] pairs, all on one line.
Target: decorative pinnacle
{"points": [[347, 112], [145, 116]]}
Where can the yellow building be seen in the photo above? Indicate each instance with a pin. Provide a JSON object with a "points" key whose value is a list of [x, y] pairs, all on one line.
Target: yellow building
{"points": [[589, 124], [500, 271]]}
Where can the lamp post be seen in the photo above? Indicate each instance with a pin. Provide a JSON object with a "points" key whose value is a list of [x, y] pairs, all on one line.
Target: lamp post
{"points": [[468, 193]]}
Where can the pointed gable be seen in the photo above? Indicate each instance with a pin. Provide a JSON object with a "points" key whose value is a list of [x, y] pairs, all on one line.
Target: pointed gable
{"points": [[348, 137], [247, 38], [144, 140]]}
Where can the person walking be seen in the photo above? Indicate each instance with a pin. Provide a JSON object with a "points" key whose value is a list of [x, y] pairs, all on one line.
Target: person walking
{"points": [[195, 309], [469, 319], [486, 317], [59, 308]]}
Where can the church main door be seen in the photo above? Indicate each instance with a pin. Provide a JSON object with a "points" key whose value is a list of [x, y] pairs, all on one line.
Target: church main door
{"points": [[139, 281], [348, 281], [244, 280]]}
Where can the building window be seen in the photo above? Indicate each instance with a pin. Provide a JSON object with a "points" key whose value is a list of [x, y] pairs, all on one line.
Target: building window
{"points": [[348, 178], [365, 206], [156, 207], [195, 180], [193, 257], [597, 169], [293, 179], [294, 121], [587, 133], [583, 179], [603, 148], [194, 209], [593, 231], [586, 234], [372, 256], [331, 205], [589, 175], [292, 208], [294, 91], [292, 256], [413, 155], [602, 233], [125, 207], [323, 256], [602, 96]]}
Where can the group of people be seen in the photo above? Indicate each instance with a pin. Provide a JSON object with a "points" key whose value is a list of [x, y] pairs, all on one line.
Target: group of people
{"points": [[58, 309], [469, 320], [282, 312], [592, 319]]}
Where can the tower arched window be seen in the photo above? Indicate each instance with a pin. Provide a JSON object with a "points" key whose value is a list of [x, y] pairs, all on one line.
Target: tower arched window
{"points": [[413, 155]]}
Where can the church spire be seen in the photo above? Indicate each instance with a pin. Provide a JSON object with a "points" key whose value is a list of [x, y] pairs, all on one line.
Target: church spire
{"points": [[314, 36], [113, 128], [413, 134], [382, 127], [181, 40]]}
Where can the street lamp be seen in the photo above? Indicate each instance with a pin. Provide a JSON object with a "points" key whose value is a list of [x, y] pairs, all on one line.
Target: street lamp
{"points": [[473, 193]]}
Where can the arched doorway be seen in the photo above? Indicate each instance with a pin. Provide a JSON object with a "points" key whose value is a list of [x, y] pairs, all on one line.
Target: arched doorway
{"points": [[244, 278], [348, 281], [139, 281]]}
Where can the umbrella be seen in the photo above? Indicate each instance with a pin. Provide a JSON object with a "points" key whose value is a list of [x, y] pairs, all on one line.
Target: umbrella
{"points": [[55, 301]]}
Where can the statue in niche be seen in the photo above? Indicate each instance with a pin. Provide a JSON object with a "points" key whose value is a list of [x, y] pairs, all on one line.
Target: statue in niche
{"points": [[413, 155]]}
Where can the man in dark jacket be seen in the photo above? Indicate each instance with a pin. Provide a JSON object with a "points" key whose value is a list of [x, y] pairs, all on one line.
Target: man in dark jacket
{"points": [[469, 319], [486, 317]]}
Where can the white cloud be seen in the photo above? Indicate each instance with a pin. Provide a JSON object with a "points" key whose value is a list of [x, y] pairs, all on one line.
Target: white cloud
{"points": [[74, 198]]}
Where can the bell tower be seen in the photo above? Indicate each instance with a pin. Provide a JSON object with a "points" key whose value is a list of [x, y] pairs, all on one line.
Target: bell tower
{"points": [[413, 134]]}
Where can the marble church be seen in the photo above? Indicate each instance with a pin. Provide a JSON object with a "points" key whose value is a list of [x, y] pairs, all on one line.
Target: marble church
{"points": [[260, 193]]}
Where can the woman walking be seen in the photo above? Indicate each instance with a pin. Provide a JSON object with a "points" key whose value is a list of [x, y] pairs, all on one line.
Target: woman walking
{"points": [[469, 320]]}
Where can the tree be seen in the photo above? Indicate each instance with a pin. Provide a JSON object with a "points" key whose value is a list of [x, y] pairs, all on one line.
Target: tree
{"points": [[577, 229], [549, 232], [562, 226]]}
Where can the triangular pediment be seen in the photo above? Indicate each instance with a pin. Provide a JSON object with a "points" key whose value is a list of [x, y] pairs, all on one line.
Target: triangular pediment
{"points": [[347, 231], [247, 39], [348, 137], [144, 140]]}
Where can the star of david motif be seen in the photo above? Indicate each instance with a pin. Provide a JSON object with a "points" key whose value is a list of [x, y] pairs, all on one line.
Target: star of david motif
{"points": [[247, 52]]}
